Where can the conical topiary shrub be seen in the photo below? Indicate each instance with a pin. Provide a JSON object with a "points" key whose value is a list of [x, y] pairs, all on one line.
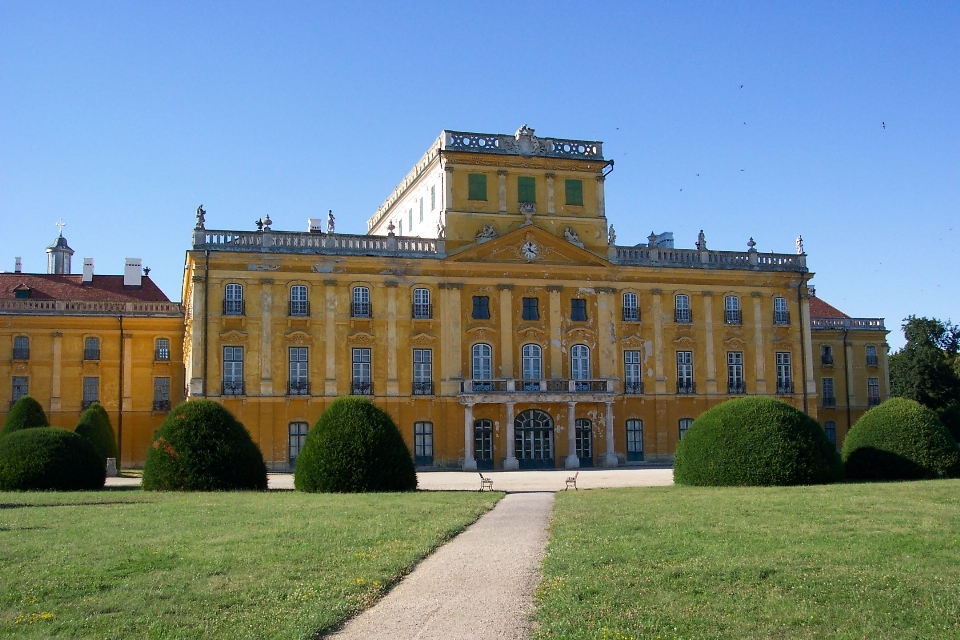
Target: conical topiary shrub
{"points": [[49, 459], [900, 439], [201, 447], [755, 441], [95, 426], [354, 447], [26, 413]]}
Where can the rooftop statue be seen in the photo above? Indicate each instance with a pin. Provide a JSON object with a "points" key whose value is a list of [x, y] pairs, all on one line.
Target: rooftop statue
{"points": [[201, 218], [571, 235], [701, 241], [611, 236], [486, 233], [331, 221]]}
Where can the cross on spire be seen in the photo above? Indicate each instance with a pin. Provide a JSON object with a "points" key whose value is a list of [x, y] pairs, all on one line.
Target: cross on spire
{"points": [[60, 225]]}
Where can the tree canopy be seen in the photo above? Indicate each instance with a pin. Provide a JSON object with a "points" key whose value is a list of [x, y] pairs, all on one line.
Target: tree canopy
{"points": [[927, 369]]}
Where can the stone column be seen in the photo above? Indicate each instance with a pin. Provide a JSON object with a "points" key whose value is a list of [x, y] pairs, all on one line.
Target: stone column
{"points": [[502, 189], [611, 457], [469, 462], [196, 355], [711, 357], [393, 384], [127, 402], [572, 461], [601, 205], [660, 381], [450, 337], [551, 199], [506, 331], [511, 463], [266, 337], [55, 374], [759, 344], [330, 337], [556, 355]]}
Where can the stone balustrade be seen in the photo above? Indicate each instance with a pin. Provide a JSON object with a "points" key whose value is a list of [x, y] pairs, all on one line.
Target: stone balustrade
{"points": [[89, 307], [513, 385], [319, 243], [854, 324], [693, 258]]}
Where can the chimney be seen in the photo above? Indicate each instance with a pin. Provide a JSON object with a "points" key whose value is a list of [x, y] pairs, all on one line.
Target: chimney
{"points": [[131, 272], [18, 265], [87, 270]]}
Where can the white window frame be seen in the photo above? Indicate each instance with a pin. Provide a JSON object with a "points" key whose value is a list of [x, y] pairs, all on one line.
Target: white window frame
{"points": [[681, 308], [784, 372], [685, 371], [360, 308], [631, 307], [298, 300], [632, 372]]}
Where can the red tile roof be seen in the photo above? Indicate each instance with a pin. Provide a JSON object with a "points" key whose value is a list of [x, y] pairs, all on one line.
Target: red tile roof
{"points": [[820, 309], [68, 287]]}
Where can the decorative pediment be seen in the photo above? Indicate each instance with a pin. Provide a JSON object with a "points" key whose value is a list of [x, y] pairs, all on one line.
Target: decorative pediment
{"points": [[480, 333], [233, 336], [298, 337], [528, 244], [683, 341], [361, 337], [532, 334], [783, 345], [631, 342], [734, 343], [422, 339], [579, 334]]}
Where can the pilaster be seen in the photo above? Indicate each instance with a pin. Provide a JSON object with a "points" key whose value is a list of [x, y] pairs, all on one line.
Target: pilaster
{"points": [[759, 346], [601, 205], [610, 459], [266, 337], [198, 314], [511, 463], [55, 373], [807, 340], [660, 381], [127, 402], [502, 189], [393, 384], [330, 337], [551, 199], [556, 345], [607, 332], [711, 356], [469, 462], [450, 338], [506, 330]]}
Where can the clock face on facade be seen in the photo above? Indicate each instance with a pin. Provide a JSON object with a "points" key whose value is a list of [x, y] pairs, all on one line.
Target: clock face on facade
{"points": [[529, 250]]}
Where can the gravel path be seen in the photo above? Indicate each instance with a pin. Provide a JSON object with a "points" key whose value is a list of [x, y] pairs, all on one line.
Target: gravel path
{"points": [[478, 586]]}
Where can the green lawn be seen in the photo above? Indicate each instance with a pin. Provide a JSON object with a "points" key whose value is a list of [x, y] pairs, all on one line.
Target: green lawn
{"points": [[131, 564], [843, 561]]}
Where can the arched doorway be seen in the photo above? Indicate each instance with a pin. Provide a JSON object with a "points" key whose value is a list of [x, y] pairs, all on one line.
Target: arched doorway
{"points": [[533, 429]]}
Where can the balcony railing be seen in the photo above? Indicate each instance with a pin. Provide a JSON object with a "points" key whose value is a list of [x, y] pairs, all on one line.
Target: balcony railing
{"points": [[360, 310], [298, 388], [736, 388], [299, 307], [781, 317], [784, 387], [21, 354], [686, 388], [233, 388], [873, 401], [633, 387], [422, 311], [161, 405], [361, 388], [91, 354], [872, 361], [829, 401], [826, 358], [233, 307], [423, 388], [631, 314], [682, 316], [512, 385], [732, 316]]}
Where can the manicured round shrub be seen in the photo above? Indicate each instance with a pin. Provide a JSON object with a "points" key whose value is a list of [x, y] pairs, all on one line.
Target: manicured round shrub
{"points": [[900, 440], [26, 413], [201, 447], [45, 459], [354, 447], [95, 426], [755, 441]]}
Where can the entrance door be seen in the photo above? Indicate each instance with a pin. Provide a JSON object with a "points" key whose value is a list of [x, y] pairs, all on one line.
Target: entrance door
{"points": [[533, 429], [423, 444], [483, 444], [634, 440], [584, 442]]}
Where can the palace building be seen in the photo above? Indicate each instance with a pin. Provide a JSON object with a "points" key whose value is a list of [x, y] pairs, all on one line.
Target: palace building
{"points": [[489, 309]]}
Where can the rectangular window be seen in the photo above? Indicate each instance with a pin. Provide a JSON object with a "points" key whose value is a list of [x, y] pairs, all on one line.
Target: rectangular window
{"points": [[421, 211], [784, 373], [681, 304], [780, 313], [829, 400], [410, 220], [634, 440], [162, 350], [91, 391], [21, 348], [685, 372], [421, 304], [574, 189], [830, 428], [481, 308], [298, 300], [161, 394], [477, 183], [578, 310], [299, 382], [423, 443], [400, 230], [233, 371], [731, 307], [873, 391], [91, 349], [423, 372], [531, 310], [872, 356], [233, 300], [632, 379], [526, 189], [433, 197], [684, 425], [21, 387], [826, 354], [362, 381], [631, 307], [361, 302], [735, 382], [298, 436]]}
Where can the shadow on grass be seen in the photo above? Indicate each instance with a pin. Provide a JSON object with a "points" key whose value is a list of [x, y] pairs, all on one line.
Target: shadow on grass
{"points": [[92, 503]]}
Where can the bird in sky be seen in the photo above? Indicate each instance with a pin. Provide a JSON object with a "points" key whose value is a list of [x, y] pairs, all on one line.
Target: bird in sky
{"points": [[741, 86], [698, 175], [883, 125], [741, 169]]}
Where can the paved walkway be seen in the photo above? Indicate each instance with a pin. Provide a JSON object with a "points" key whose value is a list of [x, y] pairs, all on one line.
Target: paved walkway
{"points": [[478, 586]]}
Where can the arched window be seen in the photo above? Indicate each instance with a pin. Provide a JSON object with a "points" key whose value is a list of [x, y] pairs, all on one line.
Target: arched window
{"points": [[681, 308], [584, 441], [533, 435], [483, 443], [532, 358], [580, 366], [634, 440], [233, 300], [482, 367], [299, 306], [361, 302], [421, 303]]}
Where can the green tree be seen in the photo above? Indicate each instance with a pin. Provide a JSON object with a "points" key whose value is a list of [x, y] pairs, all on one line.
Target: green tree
{"points": [[26, 413], [926, 369]]}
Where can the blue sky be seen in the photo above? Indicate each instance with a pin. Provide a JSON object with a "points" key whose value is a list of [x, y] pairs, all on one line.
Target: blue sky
{"points": [[122, 117]]}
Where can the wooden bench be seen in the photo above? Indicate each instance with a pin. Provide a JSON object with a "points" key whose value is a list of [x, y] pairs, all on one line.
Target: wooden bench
{"points": [[572, 481], [486, 484]]}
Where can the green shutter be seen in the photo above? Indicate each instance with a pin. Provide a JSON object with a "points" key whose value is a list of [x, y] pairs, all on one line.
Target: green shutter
{"points": [[574, 190], [478, 186], [526, 189]]}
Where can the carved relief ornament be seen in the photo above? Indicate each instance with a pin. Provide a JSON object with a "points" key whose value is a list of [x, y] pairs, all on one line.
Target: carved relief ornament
{"points": [[298, 337], [632, 342], [233, 336], [683, 341], [422, 339], [361, 337]]}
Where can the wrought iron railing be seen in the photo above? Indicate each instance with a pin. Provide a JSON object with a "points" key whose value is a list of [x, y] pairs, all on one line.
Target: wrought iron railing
{"points": [[682, 316], [161, 405], [784, 387], [829, 401], [631, 314], [423, 388], [21, 353], [299, 307], [686, 388], [633, 387], [736, 388], [91, 354], [233, 307], [732, 316], [298, 388], [422, 311], [781, 317], [233, 388], [360, 310], [359, 388]]}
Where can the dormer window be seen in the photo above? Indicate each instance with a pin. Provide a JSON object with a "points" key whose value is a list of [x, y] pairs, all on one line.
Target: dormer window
{"points": [[21, 291]]}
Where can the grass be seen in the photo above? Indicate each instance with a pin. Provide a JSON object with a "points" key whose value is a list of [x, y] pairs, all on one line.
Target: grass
{"points": [[842, 561], [119, 564]]}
